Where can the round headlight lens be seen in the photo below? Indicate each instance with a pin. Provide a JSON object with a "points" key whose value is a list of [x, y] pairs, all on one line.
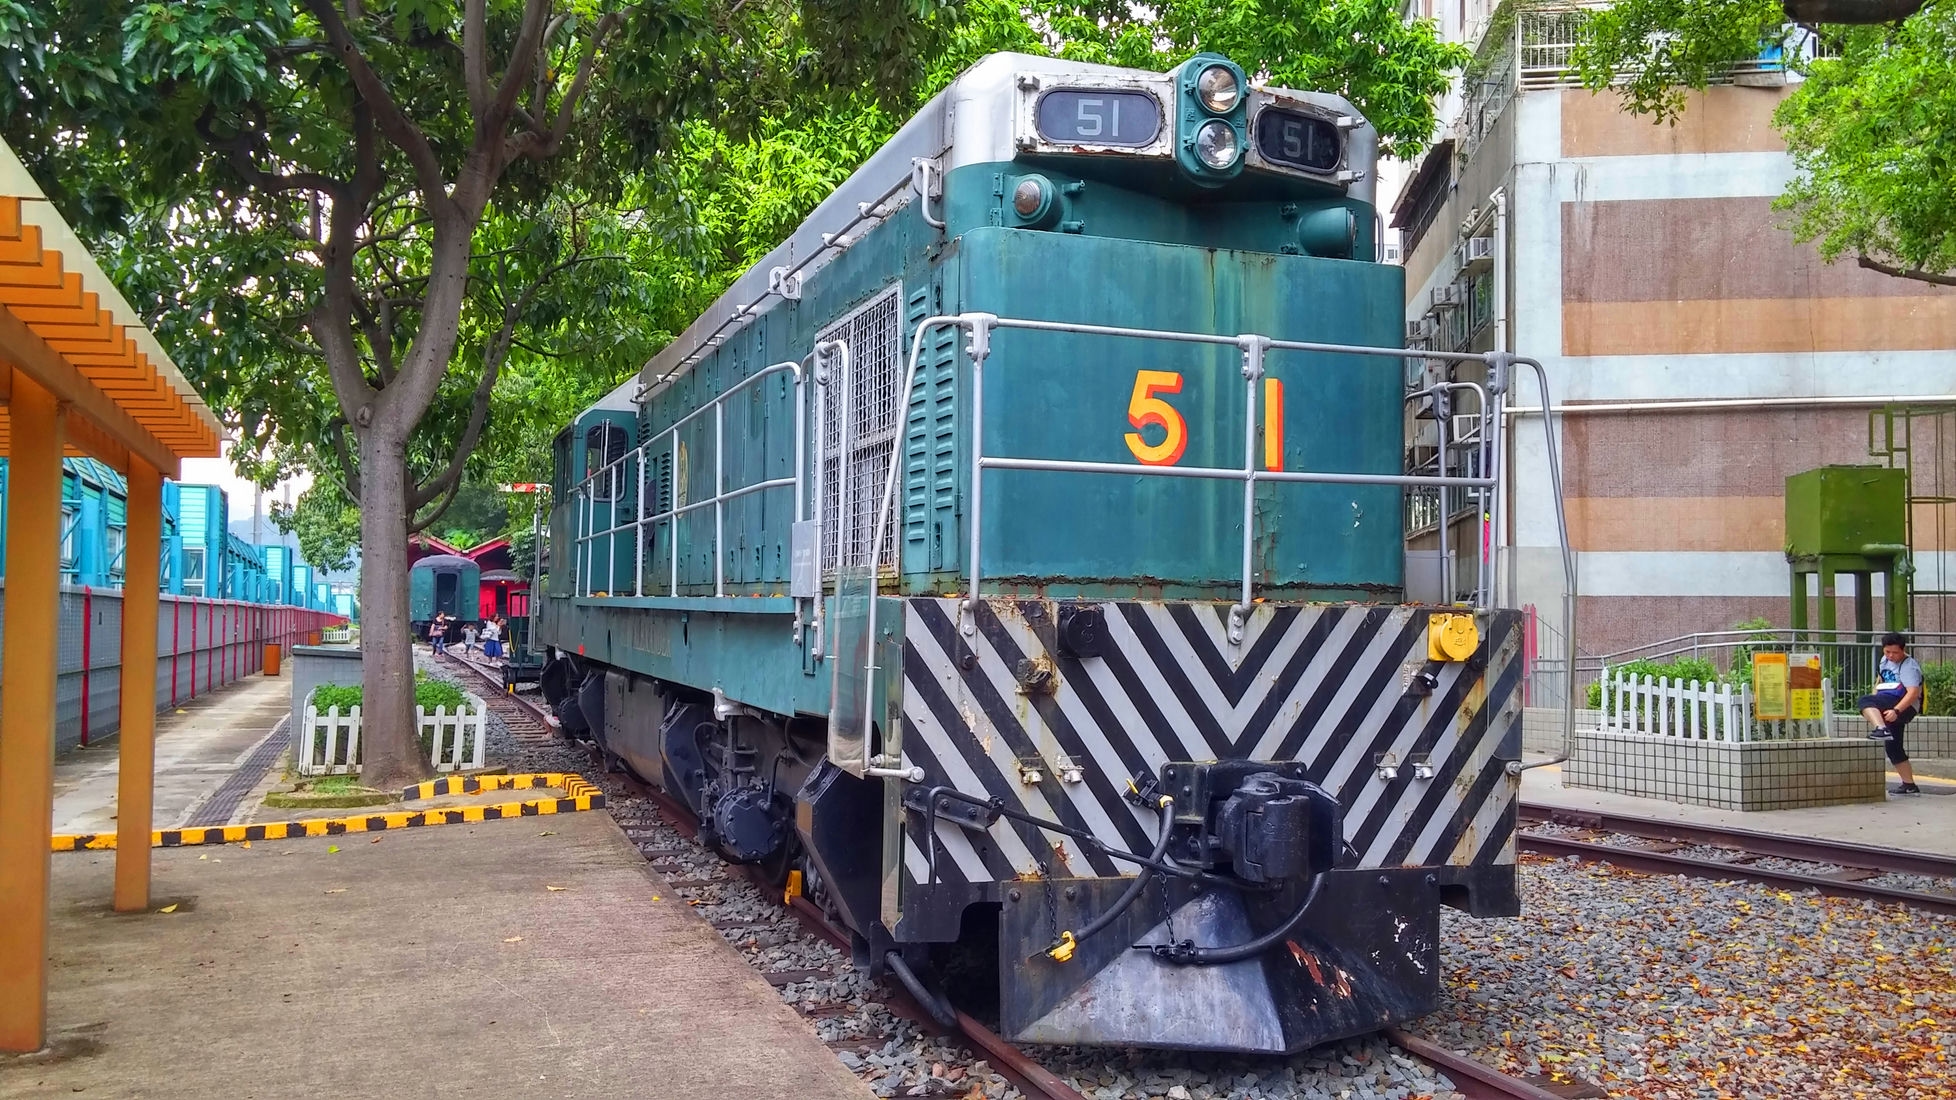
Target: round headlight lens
{"points": [[1029, 197], [1218, 88], [1215, 144]]}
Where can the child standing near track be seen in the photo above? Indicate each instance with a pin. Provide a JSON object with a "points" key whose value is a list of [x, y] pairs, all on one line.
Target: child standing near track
{"points": [[1895, 701], [468, 637]]}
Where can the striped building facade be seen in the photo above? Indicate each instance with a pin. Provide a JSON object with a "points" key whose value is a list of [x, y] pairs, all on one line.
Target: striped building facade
{"points": [[1697, 353]]}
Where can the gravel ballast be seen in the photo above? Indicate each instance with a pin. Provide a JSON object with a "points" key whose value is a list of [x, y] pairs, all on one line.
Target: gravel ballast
{"points": [[1672, 988]]}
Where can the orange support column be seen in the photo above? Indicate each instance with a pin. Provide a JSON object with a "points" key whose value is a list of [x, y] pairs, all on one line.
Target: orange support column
{"points": [[27, 671], [135, 781]]}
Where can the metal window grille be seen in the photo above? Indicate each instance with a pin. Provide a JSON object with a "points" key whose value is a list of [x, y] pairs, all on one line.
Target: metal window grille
{"points": [[874, 334]]}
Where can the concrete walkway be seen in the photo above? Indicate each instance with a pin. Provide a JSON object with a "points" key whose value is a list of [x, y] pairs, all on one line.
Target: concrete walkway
{"points": [[1920, 823], [198, 745], [523, 958]]}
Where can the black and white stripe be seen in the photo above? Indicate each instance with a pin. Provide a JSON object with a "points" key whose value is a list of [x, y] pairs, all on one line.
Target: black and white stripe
{"points": [[1322, 684]]}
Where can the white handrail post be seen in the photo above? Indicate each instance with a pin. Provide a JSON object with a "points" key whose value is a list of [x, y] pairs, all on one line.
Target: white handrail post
{"points": [[719, 486], [639, 508]]}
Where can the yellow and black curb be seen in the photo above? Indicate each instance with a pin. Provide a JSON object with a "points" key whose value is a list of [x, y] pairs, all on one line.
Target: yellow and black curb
{"points": [[579, 794]]}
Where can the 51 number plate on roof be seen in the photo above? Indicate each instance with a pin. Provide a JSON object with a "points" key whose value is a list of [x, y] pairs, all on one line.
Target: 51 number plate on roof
{"points": [[1067, 116]]}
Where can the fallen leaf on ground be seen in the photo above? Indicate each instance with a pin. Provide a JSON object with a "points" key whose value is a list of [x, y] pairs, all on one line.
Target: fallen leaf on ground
{"points": [[206, 855], [170, 908], [655, 897], [556, 889], [246, 844], [375, 840], [337, 890], [332, 848], [514, 939], [546, 832]]}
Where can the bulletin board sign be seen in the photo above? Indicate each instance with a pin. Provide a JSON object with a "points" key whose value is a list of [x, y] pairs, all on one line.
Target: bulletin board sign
{"points": [[1771, 687]]}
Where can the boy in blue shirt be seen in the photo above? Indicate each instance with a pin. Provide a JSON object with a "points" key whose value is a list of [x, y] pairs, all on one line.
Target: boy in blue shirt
{"points": [[1895, 701]]}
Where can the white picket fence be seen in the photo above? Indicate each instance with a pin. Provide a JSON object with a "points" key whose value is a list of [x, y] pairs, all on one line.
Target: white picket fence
{"points": [[1695, 711], [457, 739]]}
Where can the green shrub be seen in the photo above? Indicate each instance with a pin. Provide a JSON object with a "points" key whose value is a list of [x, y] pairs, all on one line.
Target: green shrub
{"points": [[1684, 668], [1938, 687], [429, 695]]}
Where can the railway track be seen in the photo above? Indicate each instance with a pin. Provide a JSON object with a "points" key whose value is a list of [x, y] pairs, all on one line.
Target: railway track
{"points": [[1833, 868], [645, 812]]}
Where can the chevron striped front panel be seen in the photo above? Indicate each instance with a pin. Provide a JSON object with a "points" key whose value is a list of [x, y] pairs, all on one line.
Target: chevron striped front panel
{"points": [[1003, 712]]}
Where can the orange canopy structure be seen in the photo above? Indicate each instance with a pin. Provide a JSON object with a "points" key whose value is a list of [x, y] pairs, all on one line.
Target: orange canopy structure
{"points": [[79, 375]]}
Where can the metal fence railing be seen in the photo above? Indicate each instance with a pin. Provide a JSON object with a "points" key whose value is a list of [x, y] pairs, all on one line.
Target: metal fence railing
{"points": [[1848, 658]]}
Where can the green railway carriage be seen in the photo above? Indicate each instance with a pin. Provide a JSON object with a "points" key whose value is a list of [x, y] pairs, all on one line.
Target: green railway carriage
{"points": [[1017, 553]]}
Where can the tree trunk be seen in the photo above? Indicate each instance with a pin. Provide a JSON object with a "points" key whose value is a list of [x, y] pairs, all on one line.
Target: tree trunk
{"points": [[389, 743]]}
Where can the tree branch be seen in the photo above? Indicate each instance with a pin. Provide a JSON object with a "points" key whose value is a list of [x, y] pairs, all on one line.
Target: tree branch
{"points": [[475, 51], [1917, 274], [493, 357], [539, 145], [331, 319], [418, 525], [1860, 12], [349, 469], [522, 56], [238, 150], [387, 113]]}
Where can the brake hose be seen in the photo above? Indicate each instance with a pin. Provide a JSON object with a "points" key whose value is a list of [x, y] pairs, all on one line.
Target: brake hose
{"points": [[1062, 949], [1188, 953]]}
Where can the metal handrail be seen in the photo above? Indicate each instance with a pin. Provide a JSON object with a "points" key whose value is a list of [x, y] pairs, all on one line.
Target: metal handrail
{"points": [[614, 474], [1254, 348]]}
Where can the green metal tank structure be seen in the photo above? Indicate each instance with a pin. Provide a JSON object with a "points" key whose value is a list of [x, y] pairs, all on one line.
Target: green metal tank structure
{"points": [[1850, 520], [445, 584]]}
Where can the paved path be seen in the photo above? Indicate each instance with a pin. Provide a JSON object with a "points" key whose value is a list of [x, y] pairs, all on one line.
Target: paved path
{"points": [[1921, 823], [198, 745], [523, 958]]}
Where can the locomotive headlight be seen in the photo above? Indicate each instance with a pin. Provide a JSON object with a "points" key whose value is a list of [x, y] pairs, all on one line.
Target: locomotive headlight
{"points": [[1030, 196], [1218, 89], [1216, 144]]}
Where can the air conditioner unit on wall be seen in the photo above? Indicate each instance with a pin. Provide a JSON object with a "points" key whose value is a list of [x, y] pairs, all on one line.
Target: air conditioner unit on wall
{"points": [[1421, 329], [1477, 254], [1446, 297]]}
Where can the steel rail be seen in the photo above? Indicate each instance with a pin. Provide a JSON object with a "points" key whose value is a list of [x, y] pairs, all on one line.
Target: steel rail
{"points": [[1472, 1079], [1810, 849], [1657, 862]]}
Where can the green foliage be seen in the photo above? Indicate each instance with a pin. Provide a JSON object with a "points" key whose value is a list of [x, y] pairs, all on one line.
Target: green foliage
{"points": [[1685, 669], [1871, 131], [326, 522], [195, 145], [1938, 687], [1873, 134], [428, 694]]}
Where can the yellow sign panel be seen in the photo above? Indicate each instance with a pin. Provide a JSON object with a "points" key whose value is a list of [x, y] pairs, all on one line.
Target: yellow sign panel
{"points": [[1770, 687], [1803, 681]]}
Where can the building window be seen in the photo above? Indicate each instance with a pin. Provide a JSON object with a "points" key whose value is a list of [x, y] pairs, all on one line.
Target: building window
{"points": [[118, 545], [193, 571], [70, 521]]}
